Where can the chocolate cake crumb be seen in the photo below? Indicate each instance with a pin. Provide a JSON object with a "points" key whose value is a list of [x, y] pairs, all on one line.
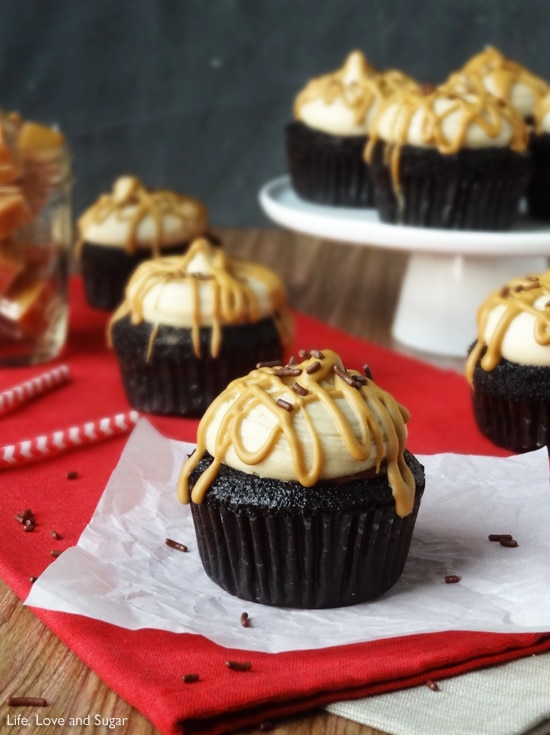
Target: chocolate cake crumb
{"points": [[239, 665], [72, 475], [175, 545], [432, 685]]}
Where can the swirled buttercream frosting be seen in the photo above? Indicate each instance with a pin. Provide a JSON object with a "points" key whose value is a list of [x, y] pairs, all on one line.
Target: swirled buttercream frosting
{"points": [[514, 323], [132, 216], [490, 70], [345, 102], [205, 287], [306, 422]]}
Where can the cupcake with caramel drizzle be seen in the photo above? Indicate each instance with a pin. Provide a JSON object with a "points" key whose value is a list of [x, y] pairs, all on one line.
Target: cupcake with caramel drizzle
{"points": [[127, 226], [189, 324], [302, 491], [454, 158], [509, 365], [332, 118], [490, 71]]}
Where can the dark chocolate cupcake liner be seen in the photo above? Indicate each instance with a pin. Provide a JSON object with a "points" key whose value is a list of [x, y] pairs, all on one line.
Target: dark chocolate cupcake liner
{"points": [[328, 169], [304, 559], [174, 381], [106, 271], [538, 191], [470, 190], [511, 405]]}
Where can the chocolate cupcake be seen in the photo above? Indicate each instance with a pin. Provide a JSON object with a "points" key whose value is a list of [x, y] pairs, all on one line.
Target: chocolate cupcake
{"points": [[325, 141], [455, 158], [302, 491], [538, 191], [509, 365], [191, 323], [128, 226]]}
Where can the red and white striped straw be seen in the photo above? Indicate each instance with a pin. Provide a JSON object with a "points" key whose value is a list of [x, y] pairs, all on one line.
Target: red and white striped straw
{"points": [[12, 398], [72, 437]]}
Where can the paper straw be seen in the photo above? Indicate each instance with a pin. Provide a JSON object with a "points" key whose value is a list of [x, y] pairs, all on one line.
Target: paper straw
{"points": [[63, 440], [18, 395]]}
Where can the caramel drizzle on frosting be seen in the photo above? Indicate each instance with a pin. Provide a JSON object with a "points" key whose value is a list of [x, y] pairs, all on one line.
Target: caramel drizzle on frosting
{"points": [[517, 296], [354, 84], [233, 299], [504, 73], [321, 377], [131, 202], [476, 108]]}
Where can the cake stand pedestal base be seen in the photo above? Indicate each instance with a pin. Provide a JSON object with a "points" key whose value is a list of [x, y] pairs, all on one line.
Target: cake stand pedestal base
{"points": [[441, 293]]}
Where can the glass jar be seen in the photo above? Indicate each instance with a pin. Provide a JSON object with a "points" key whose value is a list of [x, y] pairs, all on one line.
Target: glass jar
{"points": [[35, 242]]}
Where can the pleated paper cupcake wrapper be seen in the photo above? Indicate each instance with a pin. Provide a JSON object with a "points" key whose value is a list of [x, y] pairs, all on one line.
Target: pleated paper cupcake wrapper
{"points": [[517, 425], [175, 382], [538, 191], [106, 271], [328, 170], [460, 193], [320, 561]]}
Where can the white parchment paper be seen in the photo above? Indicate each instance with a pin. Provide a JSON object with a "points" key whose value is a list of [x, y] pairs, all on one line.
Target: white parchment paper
{"points": [[122, 572]]}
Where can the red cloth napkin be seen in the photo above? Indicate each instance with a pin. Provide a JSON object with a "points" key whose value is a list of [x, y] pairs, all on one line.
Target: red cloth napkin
{"points": [[145, 667]]}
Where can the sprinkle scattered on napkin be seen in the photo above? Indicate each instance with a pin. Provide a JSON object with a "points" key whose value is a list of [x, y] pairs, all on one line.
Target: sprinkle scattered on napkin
{"points": [[122, 572]]}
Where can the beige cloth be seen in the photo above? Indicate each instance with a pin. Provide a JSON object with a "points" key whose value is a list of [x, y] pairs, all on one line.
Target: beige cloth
{"points": [[511, 699]]}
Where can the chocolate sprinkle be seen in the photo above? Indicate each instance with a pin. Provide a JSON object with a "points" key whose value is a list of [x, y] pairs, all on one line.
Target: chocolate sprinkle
{"points": [[175, 545], [55, 552], [27, 702], [432, 685], [245, 620], [500, 537], [55, 535], [509, 543], [367, 371], [346, 377], [313, 368], [283, 372], [190, 678], [452, 579], [284, 404], [299, 389], [239, 665], [268, 364], [72, 475]]}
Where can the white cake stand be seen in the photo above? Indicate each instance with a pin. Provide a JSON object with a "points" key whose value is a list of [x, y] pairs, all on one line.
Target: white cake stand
{"points": [[450, 272]]}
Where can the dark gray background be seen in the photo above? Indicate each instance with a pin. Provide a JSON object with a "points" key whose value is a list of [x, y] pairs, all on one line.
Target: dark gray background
{"points": [[193, 95]]}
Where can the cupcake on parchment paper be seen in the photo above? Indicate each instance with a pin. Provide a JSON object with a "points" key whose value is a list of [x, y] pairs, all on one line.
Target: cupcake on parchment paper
{"points": [[455, 158], [332, 118], [191, 323], [509, 365], [127, 226], [505, 79], [302, 491]]}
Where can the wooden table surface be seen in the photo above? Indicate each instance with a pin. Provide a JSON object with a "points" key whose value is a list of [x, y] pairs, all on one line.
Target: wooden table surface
{"points": [[349, 287]]}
